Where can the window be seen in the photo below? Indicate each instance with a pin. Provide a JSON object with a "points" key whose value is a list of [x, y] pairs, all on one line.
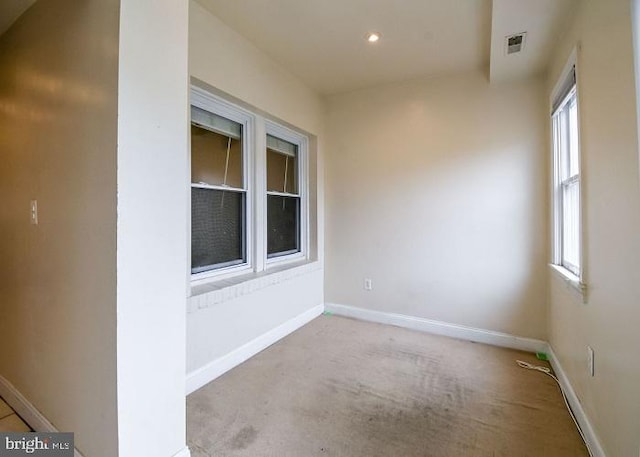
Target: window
{"points": [[219, 189], [283, 198], [231, 232], [566, 148]]}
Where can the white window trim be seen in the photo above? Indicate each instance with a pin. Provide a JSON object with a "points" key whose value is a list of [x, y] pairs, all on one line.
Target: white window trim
{"points": [[571, 279], [209, 102], [255, 128], [302, 142], [575, 281]]}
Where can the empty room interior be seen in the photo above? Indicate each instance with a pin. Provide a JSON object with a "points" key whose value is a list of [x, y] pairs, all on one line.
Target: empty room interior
{"points": [[321, 228]]}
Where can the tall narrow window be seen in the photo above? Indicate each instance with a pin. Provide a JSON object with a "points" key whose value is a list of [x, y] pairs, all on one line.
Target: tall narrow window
{"points": [[567, 176], [283, 198], [218, 192]]}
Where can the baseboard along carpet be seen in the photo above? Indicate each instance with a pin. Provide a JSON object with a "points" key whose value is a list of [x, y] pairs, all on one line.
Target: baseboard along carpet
{"points": [[345, 388]]}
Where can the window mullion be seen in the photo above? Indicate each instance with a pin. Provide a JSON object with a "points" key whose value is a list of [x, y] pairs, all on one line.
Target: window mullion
{"points": [[215, 187], [260, 181]]}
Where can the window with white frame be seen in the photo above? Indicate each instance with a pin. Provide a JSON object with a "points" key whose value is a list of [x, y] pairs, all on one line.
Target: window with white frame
{"points": [[225, 219], [219, 188], [284, 201], [566, 150]]}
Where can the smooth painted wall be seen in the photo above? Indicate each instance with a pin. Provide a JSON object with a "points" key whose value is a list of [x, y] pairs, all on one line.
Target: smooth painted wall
{"points": [[608, 321], [58, 121], [436, 190], [227, 63], [226, 60], [635, 21], [153, 107]]}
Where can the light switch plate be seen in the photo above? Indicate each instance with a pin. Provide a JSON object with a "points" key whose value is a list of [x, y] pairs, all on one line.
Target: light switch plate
{"points": [[34, 212], [590, 361]]}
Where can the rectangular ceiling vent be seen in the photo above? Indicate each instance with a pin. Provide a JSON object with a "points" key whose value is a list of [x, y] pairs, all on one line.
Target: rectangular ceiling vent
{"points": [[515, 43]]}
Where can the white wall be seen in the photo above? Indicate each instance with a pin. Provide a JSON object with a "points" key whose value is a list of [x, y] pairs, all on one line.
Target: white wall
{"points": [[152, 227], [609, 145], [221, 57], [227, 63], [217, 330], [635, 21], [436, 190], [58, 120]]}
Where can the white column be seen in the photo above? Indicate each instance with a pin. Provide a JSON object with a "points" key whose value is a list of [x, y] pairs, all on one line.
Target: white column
{"points": [[152, 227]]}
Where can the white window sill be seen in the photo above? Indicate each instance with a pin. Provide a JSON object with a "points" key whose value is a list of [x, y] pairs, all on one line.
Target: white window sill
{"points": [[218, 291], [571, 279]]}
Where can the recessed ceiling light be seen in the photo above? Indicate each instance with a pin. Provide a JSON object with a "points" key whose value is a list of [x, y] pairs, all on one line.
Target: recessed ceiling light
{"points": [[372, 37]]}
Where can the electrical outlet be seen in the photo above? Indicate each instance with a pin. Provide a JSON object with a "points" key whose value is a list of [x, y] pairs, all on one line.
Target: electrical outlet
{"points": [[590, 361], [368, 285], [34, 212]]}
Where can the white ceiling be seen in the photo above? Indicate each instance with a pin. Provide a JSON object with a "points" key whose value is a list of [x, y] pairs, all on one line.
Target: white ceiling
{"points": [[10, 10], [322, 41], [541, 19]]}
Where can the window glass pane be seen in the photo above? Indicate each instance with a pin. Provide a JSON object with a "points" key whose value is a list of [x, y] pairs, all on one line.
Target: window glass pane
{"points": [[283, 225], [216, 159], [282, 146], [215, 123], [282, 166], [563, 118], [217, 229], [574, 164], [571, 226], [557, 135], [282, 172]]}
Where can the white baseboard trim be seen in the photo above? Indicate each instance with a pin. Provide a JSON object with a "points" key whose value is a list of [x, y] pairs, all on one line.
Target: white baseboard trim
{"points": [[576, 406], [221, 365], [185, 452], [29, 413], [440, 328]]}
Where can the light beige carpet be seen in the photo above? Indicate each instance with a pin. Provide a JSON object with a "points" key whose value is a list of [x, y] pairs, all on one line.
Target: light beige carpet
{"points": [[345, 388]]}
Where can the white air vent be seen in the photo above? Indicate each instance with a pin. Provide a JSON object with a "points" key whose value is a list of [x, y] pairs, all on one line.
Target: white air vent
{"points": [[515, 43]]}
